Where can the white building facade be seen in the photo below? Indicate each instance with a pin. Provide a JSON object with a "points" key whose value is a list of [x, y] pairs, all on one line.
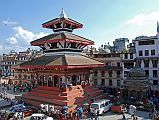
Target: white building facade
{"points": [[147, 56]]}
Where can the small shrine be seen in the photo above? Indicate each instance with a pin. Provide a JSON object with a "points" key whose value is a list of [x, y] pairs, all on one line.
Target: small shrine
{"points": [[62, 75], [136, 86]]}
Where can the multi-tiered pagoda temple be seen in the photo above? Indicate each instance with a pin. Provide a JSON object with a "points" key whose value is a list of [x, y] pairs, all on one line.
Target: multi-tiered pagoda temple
{"points": [[60, 73]]}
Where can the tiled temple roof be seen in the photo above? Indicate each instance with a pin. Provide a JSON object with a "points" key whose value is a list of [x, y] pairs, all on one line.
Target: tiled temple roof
{"points": [[60, 36], [61, 61]]}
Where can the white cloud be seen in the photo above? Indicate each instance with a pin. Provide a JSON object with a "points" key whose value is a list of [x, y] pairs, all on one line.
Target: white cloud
{"points": [[21, 38], [12, 40], [22, 35], [142, 19], [1, 47], [9, 23]]}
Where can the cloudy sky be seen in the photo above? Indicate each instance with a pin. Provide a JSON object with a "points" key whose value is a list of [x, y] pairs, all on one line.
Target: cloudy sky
{"points": [[103, 20]]}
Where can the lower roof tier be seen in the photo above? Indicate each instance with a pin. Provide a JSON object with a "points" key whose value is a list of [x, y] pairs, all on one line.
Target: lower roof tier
{"points": [[61, 36], [62, 61]]}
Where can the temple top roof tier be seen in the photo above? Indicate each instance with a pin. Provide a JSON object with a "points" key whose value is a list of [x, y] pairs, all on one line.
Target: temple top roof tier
{"points": [[62, 36], [62, 23], [62, 40]]}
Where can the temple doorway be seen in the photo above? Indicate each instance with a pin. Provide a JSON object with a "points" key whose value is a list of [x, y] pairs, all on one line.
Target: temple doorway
{"points": [[56, 81], [74, 80], [50, 81]]}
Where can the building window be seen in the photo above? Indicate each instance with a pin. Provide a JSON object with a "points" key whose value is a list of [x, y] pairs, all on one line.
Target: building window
{"points": [[32, 76], [154, 73], [110, 73], [126, 73], [108, 63], [95, 82], [103, 82], [25, 76], [128, 65], [154, 63], [126, 56], [146, 63], [20, 76], [146, 52], [118, 83], [140, 53], [28, 77], [95, 73], [118, 64], [131, 55], [118, 74], [155, 82], [147, 42], [110, 82], [146, 73], [152, 52], [103, 73]]}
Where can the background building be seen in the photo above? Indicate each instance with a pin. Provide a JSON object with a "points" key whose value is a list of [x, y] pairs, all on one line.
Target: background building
{"points": [[11, 59], [110, 76], [128, 62], [147, 54], [120, 44]]}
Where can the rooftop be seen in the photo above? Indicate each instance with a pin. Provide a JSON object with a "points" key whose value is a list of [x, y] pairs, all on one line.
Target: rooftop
{"points": [[61, 36]]}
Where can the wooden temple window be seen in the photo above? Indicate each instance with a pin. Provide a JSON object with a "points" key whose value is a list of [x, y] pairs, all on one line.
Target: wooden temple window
{"points": [[103, 74], [95, 73], [29, 77], [20, 76], [103, 82], [44, 80], [110, 73], [40, 81], [50, 81], [32, 76], [110, 82], [25, 76], [95, 82], [15, 76]]}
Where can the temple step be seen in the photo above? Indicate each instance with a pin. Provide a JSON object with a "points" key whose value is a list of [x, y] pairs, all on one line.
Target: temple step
{"points": [[62, 97], [89, 95], [49, 88], [47, 91], [48, 101]]}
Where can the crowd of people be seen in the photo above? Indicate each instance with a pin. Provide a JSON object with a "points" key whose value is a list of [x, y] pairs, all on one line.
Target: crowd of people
{"points": [[63, 113]]}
